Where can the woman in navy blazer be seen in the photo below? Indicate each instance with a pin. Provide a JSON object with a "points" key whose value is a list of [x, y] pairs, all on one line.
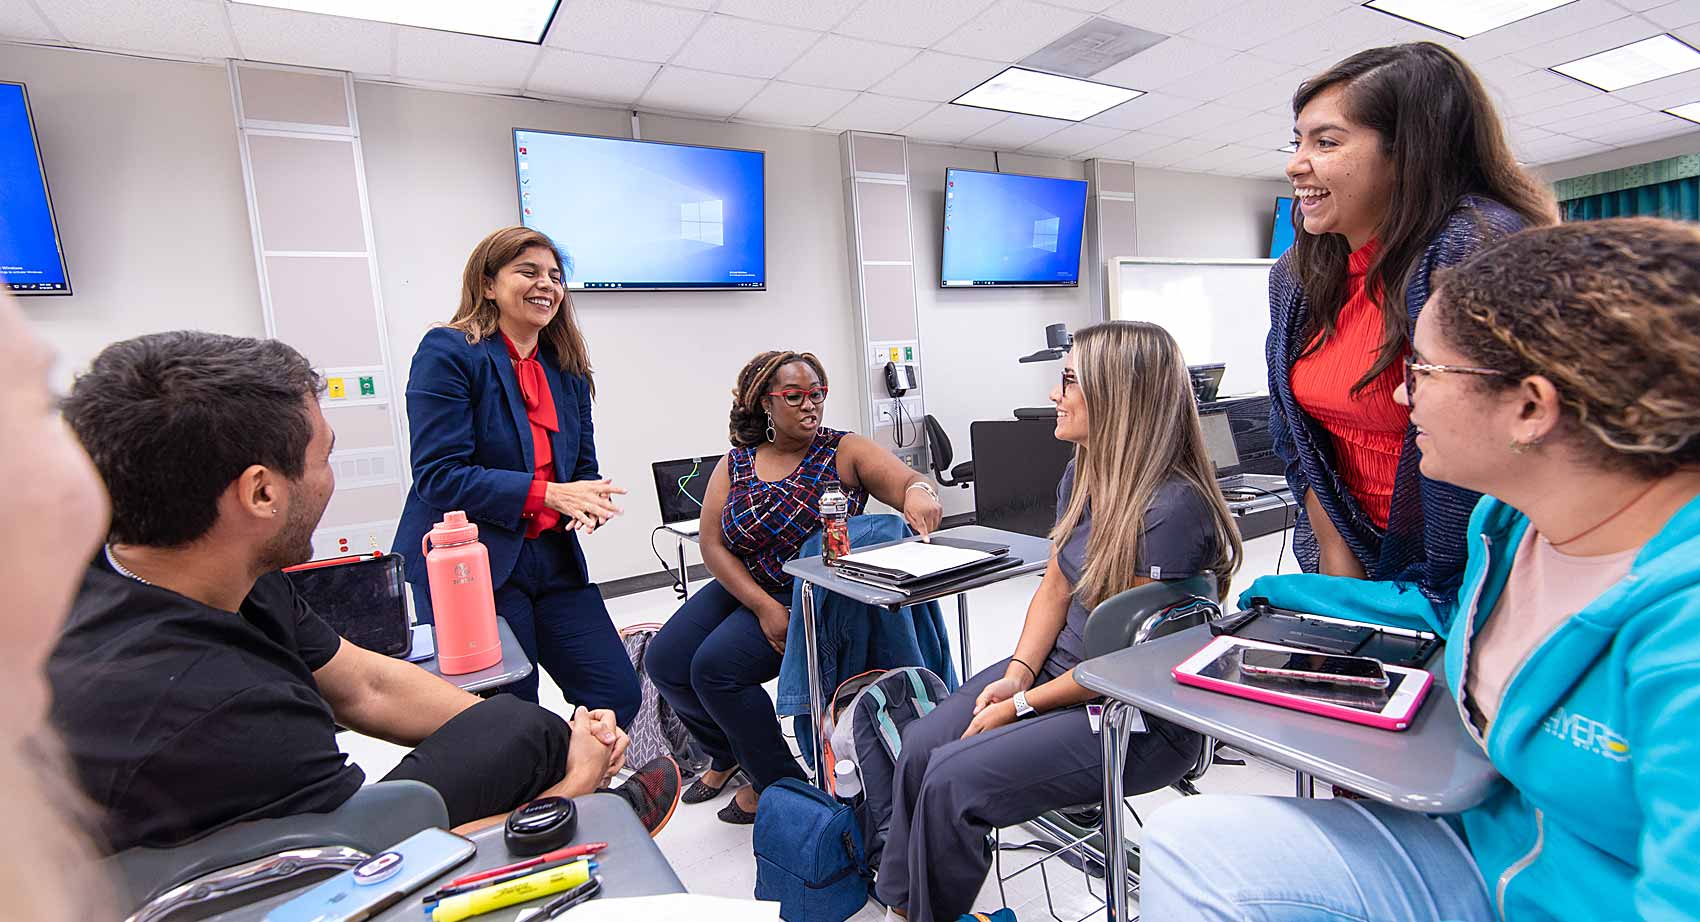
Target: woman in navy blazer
{"points": [[498, 402]]}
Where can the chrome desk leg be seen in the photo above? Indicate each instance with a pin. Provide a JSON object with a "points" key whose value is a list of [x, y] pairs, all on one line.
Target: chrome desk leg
{"points": [[684, 572], [1115, 735], [1303, 785], [962, 632], [812, 666]]}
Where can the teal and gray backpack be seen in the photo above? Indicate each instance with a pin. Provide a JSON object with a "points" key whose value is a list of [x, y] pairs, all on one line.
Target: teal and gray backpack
{"points": [[868, 733]]}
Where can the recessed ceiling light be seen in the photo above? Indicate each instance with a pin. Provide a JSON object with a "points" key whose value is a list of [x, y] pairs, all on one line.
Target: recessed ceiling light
{"points": [[1032, 92], [515, 20], [1648, 59], [1464, 18], [1690, 111], [1291, 147]]}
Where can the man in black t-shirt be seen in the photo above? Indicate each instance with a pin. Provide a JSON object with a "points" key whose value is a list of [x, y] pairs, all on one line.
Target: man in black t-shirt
{"points": [[193, 686]]}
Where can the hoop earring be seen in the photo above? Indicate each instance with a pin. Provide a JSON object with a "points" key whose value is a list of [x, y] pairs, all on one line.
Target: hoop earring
{"points": [[770, 432]]}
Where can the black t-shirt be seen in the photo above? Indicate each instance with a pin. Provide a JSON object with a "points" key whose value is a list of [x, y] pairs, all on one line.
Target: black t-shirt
{"points": [[182, 719]]}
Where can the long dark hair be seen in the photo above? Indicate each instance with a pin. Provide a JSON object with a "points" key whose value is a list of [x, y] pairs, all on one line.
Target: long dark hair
{"points": [[1439, 128], [477, 315]]}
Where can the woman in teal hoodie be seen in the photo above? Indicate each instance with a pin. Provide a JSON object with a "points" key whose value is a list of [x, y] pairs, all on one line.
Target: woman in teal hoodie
{"points": [[1558, 373]]}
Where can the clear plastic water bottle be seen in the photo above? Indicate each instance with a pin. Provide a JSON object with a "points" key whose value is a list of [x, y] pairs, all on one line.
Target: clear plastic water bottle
{"points": [[834, 523]]}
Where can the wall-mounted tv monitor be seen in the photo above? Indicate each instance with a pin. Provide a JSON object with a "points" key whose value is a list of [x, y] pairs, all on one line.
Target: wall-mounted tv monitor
{"points": [[1009, 229], [643, 215], [31, 260], [1281, 238]]}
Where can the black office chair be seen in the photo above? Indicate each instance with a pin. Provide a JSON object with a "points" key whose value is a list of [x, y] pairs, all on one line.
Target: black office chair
{"points": [[938, 449], [247, 861]]}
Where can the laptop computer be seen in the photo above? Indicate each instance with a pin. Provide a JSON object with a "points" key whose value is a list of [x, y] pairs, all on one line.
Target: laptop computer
{"points": [[680, 486], [1245, 493]]}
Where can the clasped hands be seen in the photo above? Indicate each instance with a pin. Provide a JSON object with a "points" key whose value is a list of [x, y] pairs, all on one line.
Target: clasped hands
{"points": [[584, 505]]}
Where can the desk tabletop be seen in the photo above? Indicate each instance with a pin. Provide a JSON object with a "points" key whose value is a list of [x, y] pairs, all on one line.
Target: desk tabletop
{"points": [[632, 865], [1433, 767], [515, 665], [1033, 553]]}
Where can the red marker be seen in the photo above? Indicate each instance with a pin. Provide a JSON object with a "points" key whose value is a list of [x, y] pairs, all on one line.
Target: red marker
{"points": [[571, 851]]}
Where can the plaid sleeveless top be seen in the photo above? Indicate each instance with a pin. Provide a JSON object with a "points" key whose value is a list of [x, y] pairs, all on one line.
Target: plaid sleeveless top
{"points": [[765, 522]]}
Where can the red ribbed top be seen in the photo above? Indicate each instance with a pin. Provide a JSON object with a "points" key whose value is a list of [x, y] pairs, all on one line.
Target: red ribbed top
{"points": [[1368, 428]]}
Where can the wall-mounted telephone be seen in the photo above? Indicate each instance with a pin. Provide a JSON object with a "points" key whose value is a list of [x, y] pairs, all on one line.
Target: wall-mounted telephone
{"points": [[899, 378]]}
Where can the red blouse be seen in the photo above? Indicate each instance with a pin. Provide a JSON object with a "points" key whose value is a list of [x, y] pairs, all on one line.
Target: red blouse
{"points": [[1367, 428], [540, 411]]}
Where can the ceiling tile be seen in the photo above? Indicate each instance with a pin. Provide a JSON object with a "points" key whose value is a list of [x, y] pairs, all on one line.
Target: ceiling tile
{"points": [[847, 63], [1145, 110], [311, 40], [1249, 24], [939, 77], [738, 46], [1531, 82], [1584, 126], [1572, 91], [1563, 50], [590, 76], [688, 4], [1271, 165], [1639, 126], [906, 22], [1193, 122], [1074, 139], [1090, 6], [1168, 16], [1636, 6], [1555, 23], [1011, 30], [700, 92], [1496, 70], [1587, 107], [1675, 15], [467, 60], [1225, 157], [638, 30], [792, 104], [1274, 93], [1180, 152], [950, 124], [1164, 62], [1237, 73], [19, 20], [190, 28], [1130, 146], [868, 112], [1343, 33], [1262, 130], [1016, 132], [1664, 92], [819, 15], [1563, 147]]}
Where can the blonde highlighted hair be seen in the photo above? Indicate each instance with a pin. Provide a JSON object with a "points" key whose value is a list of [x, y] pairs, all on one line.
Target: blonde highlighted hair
{"points": [[477, 315], [1143, 431]]}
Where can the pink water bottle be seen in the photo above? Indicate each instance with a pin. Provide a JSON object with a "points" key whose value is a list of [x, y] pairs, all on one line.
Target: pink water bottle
{"points": [[457, 567]]}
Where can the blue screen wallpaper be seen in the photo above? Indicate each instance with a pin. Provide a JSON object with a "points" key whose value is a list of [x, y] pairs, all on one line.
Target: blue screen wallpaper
{"points": [[30, 261], [1282, 238], [1006, 229], [642, 214]]}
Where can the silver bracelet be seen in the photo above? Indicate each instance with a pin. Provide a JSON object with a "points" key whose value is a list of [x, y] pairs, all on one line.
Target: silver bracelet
{"points": [[924, 486]]}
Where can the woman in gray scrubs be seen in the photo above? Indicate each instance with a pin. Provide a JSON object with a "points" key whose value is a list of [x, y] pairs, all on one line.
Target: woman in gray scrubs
{"points": [[1138, 503]]}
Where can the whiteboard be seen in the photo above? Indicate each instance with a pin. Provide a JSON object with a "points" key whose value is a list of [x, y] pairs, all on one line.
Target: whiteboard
{"points": [[1217, 309]]}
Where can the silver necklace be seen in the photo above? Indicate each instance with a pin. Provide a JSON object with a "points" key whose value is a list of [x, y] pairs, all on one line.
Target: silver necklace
{"points": [[120, 567]]}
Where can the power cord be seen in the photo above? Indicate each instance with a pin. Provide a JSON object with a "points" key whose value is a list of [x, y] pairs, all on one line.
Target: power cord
{"points": [[678, 579], [1284, 528], [897, 425]]}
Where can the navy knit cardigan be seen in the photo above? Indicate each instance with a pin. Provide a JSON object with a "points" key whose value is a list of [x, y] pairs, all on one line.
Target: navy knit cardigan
{"points": [[1423, 543]]}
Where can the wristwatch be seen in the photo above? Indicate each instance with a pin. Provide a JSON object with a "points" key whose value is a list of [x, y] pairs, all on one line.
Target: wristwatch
{"points": [[1022, 708]]}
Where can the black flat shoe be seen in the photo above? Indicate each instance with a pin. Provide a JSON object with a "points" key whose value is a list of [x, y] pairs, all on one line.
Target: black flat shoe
{"points": [[701, 792], [734, 814]]}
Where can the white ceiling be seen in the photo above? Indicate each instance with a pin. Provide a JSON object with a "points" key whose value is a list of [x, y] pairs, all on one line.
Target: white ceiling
{"points": [[1217, 99]]}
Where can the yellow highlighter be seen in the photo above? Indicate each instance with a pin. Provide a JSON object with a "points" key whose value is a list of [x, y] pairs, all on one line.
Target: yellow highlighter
{"points": [[530, 887]]}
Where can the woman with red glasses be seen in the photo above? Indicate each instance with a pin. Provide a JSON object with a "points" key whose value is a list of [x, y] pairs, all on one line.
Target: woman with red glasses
{"points": [[713, 655]]}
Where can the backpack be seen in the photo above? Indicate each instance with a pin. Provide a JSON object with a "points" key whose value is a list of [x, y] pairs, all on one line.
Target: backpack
{"points": [[657, 731], [808, 850], [866, 731]]}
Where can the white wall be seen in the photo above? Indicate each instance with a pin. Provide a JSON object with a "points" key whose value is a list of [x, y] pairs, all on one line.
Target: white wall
{"points": [[1193, 215], [147, 186], [439, 169]]}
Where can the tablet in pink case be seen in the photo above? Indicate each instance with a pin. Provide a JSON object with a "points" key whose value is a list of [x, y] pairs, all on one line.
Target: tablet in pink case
{"points": [[1217, 667]]}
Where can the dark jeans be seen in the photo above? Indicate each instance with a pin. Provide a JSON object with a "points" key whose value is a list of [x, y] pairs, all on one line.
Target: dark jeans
{"points": [[562, 625], [709, 661], [490, 758], [950, 792]]}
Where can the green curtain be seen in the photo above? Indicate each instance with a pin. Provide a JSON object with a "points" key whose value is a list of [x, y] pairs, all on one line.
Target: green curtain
{"points": [[1676, 198]]}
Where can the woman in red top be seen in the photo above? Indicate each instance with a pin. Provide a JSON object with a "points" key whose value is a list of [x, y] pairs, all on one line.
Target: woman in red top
{"points": [[498, 407], [1400, 168]]}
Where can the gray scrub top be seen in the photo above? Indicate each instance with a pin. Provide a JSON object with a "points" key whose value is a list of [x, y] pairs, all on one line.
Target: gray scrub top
{"points": [[1178, 541]]}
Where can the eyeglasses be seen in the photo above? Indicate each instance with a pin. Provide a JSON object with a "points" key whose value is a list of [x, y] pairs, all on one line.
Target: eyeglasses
{"points": [[1412, 367], [1068, 377], [794, 395]]}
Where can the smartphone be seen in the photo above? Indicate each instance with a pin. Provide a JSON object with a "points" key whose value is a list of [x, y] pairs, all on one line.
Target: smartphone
{"points": [[379, 882], [1314, 667]]}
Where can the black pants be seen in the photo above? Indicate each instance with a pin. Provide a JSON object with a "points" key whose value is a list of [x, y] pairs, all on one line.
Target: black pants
{"points": [[490, 758], [951, 792]]}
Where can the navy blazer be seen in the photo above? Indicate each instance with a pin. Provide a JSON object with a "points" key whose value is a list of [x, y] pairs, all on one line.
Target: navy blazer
{"points": [[472, 446]]}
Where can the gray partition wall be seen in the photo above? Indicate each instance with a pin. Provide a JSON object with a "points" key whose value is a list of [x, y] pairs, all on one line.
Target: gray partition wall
{"points": [[882, 282], [1111, 225], [306, 185]]}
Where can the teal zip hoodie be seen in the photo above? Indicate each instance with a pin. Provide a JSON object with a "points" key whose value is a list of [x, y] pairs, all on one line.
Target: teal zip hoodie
{"points": [[1598, 734]]}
